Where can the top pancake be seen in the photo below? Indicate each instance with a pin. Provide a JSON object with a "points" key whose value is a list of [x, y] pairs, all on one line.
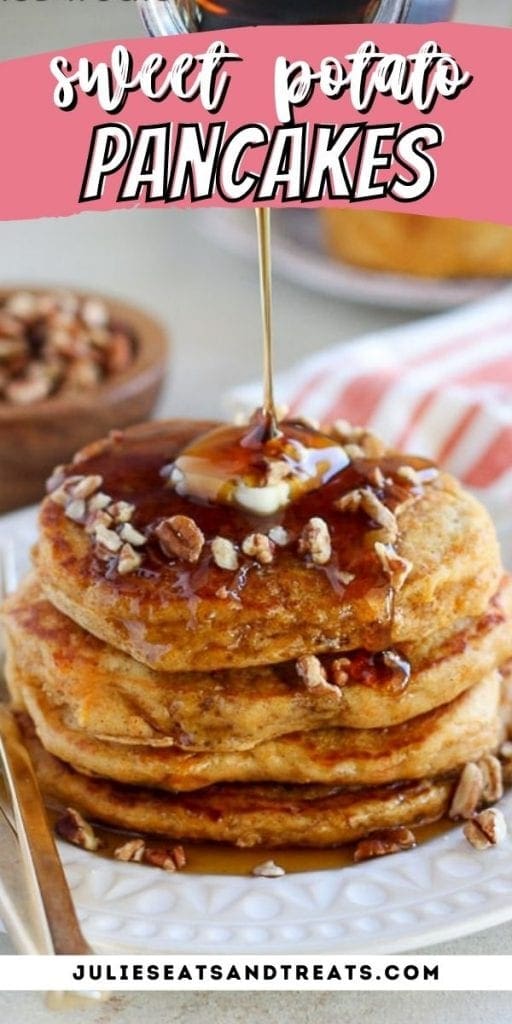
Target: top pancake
{"points": [[172, 615]]}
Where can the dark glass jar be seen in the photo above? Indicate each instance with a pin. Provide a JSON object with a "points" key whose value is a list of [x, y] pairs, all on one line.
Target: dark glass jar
{"points": [[169, 17]]}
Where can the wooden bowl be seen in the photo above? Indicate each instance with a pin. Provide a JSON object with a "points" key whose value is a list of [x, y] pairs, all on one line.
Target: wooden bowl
{"points": [[35, 438]]}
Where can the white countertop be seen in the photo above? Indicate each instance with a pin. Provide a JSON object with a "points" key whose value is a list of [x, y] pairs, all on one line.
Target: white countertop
{"points": [[209, 299]]}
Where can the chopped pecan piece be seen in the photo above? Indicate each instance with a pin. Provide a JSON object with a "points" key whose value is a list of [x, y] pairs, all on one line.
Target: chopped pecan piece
{"points": [[354, 451], [86, 487], [486, 829], [62, 493], [83, 374], [76, 510], [180, 537], [258, 546], [365, 499], [268, 869], [417, 477], [121, 511], [60, 496], [64, 342], [56, 479], [343, 431], [159, 858], [377, 510], [349, 502], [133, 850], [410, 474], [76, 830], [373, 446], [345, 577], [492, 775], [22, 305], [376, 477], [168, 859], [95, 519], [132, 536], [94, 313], [11, 331], [389, 840], [108, 538], [224, 553], [311, 671], [362, 441], [315, 541], [339, 674], [468, 792], [310, 422], [129, 560], [99, 337], [99, 502], [396, 567], [179, 857], [33, 388]]}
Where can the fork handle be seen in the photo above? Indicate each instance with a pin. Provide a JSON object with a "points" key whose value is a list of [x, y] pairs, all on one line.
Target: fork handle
{"points": [[50, 895]]}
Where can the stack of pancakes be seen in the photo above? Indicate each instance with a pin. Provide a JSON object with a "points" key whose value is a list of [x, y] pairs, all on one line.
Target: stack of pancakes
{"points": [[331, 682]]}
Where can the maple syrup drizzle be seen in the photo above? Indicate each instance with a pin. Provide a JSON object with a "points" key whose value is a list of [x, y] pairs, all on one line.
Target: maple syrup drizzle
{"points": [[131, 466]]}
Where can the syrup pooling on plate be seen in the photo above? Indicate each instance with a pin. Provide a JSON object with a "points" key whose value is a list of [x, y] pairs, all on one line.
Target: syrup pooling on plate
{"points": [[217, 859]]}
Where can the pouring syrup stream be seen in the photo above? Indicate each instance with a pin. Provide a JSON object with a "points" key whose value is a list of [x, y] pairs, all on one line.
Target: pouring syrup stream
{"points": [[230, 464], [265, 267]]}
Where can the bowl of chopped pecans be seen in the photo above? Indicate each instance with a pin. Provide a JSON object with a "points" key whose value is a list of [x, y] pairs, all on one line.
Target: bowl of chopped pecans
{"points": [[72, 366]]}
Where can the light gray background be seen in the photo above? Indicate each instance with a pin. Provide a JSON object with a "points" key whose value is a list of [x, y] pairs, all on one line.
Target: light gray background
{"points": [[209, 299]]}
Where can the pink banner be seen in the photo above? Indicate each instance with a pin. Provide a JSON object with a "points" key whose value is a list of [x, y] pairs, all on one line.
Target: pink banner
{"points": [[396, 117]]}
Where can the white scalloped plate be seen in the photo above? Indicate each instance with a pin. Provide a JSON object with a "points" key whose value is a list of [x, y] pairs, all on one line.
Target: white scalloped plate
{"points": [[441, 890], [299, 255]]}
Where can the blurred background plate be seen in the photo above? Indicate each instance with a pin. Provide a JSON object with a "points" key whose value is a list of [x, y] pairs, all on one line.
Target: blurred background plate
{"points": [[298, 254]]}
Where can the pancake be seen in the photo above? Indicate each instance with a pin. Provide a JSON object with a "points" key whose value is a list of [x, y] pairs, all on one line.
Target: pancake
{"points": [[176, 616], [403, 243], [105, 693], [253, 815], [432, 744]]}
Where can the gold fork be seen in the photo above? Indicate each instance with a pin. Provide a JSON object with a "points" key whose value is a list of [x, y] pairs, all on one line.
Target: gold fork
{"points": [[54, 928]]}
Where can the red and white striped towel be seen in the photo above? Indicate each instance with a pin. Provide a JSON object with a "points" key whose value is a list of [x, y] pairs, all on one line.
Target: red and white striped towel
{"points": [[440, 387]]}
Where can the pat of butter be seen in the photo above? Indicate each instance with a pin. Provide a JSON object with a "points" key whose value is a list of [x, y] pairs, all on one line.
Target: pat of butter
{"points": [[189, 477], [265, 500], [261, 474]]}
